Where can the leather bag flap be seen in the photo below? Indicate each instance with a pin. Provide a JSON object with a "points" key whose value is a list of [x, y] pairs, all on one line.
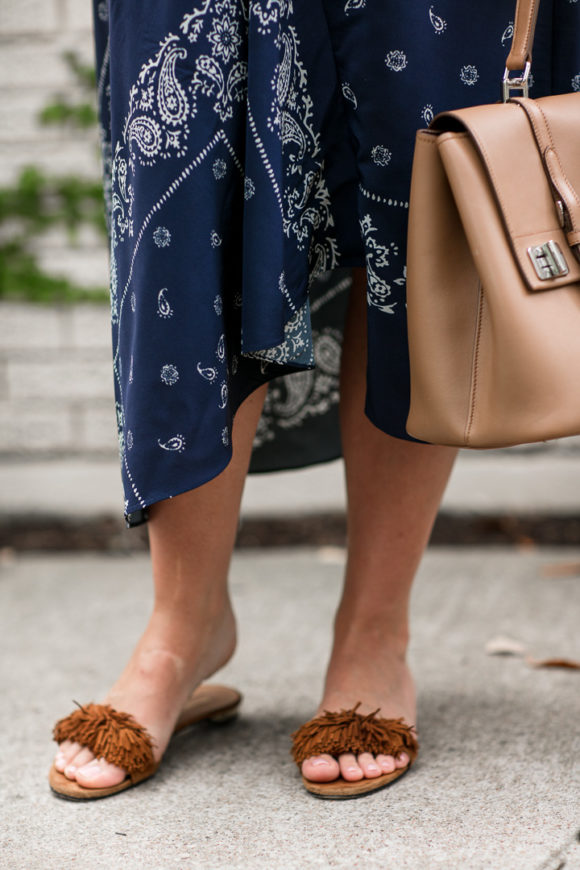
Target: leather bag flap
{"points": [[530, 150]]}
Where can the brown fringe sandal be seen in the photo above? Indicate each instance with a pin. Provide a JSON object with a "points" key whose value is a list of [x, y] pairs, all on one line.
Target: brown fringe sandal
{"points": [[118, 738], [349, 731]]}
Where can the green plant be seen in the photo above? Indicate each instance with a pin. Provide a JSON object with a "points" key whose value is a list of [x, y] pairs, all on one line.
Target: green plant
{"points": [[62, 111], [38, 201]]}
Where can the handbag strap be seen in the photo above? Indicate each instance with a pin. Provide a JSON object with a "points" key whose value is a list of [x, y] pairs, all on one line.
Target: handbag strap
{"points": [[520, 56], [523, 38]]}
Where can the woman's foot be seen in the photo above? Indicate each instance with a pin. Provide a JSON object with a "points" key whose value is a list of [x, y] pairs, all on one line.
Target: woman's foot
{"points": [[378, 677], [170, 660]]}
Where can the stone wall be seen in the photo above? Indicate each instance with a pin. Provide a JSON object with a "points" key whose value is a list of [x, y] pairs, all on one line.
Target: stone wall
{"points": [[56, 381], [55, 361], [34, 34]]}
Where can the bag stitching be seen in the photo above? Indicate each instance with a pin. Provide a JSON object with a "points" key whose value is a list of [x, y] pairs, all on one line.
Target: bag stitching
{"points": [[475, 366]]}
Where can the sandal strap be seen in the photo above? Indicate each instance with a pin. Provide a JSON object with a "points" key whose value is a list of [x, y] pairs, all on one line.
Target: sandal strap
{"points": [[349, 731], [115, 736]]}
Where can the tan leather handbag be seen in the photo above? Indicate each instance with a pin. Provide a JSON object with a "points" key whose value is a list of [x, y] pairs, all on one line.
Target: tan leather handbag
{"points": [[493, 271]]}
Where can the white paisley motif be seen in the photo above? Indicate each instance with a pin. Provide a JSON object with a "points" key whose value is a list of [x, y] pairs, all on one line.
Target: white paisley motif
{"points": [[121, 201], [213, 76], [307, 199], [377, 257], [164, 309], [296, 397], [269, 13], [508, 33], [439, 24], [349, 94], [427, 113], [352, 5], [295, 344], [209, 372], [160, 109], [156, 124], [175, 444]]}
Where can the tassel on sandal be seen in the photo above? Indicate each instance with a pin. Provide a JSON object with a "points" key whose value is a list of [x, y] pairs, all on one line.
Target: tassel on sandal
{"points": [[349, 731]]}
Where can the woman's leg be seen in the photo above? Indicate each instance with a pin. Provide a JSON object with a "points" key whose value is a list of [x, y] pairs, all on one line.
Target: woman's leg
{"points": [[394, 488], [191, 632]]}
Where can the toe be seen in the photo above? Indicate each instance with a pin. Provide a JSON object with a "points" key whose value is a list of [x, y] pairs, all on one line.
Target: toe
{"points": [[401, 760], [386, 763], [98, 773], [349, 767], [65, 753], [81, 758], [77, 759], [321, 768], [368, 765]]}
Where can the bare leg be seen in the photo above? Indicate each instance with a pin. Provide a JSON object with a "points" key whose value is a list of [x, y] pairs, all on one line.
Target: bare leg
{"points": [[191, 632], [394, 489]]}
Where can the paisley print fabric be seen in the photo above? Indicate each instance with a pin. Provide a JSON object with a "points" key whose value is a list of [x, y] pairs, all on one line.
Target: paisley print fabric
{"points": [[254, 151]]}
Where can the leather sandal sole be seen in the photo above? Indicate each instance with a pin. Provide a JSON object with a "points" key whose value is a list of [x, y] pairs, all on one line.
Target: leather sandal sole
{"points": [[342, 789], [210, 702]]}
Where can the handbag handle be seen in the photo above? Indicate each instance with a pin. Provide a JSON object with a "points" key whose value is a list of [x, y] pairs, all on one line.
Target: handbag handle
{"points": [[523, 38], [520, 56]]}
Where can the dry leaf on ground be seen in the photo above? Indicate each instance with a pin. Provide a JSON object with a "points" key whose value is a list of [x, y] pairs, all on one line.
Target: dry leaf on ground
{"points": [[553, 663], [504, 646]]}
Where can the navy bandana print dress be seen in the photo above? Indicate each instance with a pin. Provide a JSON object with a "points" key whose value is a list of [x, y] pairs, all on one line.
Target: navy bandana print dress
{"points": [[254, 151]]}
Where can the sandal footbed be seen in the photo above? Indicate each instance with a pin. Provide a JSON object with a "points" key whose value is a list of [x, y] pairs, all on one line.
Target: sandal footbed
{"points": [[70, 789]]}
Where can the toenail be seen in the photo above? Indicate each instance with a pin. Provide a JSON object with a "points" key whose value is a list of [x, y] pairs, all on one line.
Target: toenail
{"points": [[372, 767], [59, 758], [71, 768], [316, 762]]}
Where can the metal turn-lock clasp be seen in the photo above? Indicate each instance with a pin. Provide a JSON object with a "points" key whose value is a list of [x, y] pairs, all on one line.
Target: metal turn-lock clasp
{"points": [[548, 260]]}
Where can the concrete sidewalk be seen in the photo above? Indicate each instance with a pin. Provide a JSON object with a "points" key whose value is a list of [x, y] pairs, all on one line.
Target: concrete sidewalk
{"points": [[496, 784]]}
